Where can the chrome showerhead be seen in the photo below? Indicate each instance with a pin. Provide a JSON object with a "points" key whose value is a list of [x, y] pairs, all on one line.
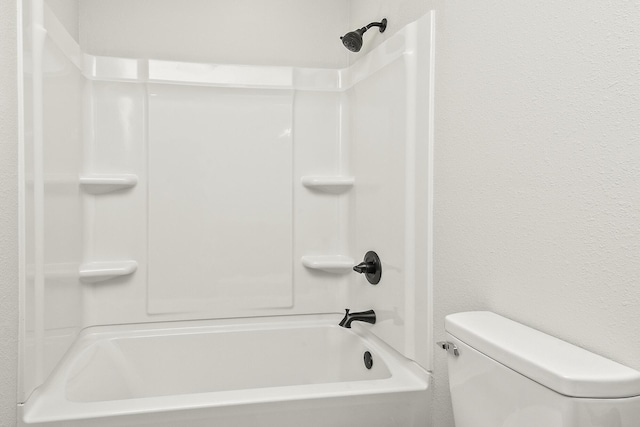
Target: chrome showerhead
{"points": [[353, 39]]}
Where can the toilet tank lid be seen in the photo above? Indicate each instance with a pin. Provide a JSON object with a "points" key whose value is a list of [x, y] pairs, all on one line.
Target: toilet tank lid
{"points": [[556, 364]]}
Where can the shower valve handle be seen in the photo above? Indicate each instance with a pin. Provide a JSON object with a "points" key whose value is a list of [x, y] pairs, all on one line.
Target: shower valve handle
{"points": [[371, 267], [365, 267]]}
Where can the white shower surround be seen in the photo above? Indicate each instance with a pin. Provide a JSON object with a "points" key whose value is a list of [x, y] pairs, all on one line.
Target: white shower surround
{"points": [[332, 188]]}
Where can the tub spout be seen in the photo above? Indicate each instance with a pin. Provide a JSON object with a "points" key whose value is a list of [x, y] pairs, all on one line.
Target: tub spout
{"points": [[363, 316]]}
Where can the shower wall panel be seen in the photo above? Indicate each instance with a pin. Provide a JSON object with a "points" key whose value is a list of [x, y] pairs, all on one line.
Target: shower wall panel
{"points": [[51, 297], [116, 223], [219, 178], [63, 213], [319, 217], [390, 123], [219, 219], [220, 199], [377, 160]]}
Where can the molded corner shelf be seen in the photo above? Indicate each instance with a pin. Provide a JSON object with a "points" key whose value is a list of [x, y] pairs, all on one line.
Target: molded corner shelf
{"points": [[329, 184], [93, 272], [100, 184], [329, 263]]}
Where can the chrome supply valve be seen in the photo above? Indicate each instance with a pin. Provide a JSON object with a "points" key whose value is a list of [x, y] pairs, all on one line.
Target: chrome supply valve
{"points": [[450, 347]]}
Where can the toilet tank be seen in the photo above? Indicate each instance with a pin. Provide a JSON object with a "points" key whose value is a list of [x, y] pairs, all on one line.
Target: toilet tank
{"points": [[509, 375]]}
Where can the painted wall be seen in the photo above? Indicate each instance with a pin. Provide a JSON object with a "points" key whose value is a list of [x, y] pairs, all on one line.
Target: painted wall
{"points": [[398, 13], [67, 12], [537, 163], [8, 214], [271, 32]]}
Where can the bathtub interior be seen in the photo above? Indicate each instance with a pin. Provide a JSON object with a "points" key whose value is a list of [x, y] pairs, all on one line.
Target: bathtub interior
{"points": [[133, 365], [172, 173]]}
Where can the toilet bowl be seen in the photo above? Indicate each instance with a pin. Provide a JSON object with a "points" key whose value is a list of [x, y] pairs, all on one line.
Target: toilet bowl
{"points": [[505, 374]]}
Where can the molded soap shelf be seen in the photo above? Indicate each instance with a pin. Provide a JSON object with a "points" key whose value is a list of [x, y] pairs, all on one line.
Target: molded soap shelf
{"points": [[329, 184], [329, 263], [93, 272], [100, 184]]}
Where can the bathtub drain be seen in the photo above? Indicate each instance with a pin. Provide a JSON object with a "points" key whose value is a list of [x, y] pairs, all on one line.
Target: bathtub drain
{"points": [[368, 360]]}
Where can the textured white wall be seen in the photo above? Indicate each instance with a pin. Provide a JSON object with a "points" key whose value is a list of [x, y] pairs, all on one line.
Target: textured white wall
{"points": [[537, 171], [8, 214]]}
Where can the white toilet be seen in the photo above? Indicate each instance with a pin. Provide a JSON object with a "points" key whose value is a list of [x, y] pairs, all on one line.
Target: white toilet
{"points": [[504, 374]]}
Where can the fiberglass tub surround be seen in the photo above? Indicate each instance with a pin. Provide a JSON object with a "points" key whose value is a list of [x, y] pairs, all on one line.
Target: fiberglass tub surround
{"points": [[174, 190]]}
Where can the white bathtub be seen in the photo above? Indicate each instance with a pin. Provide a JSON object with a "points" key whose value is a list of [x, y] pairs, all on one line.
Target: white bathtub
{"points": [[301, 371]]}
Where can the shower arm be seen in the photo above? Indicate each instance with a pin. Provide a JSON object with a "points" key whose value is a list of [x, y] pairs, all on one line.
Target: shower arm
{"points": [[382, 25]]}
